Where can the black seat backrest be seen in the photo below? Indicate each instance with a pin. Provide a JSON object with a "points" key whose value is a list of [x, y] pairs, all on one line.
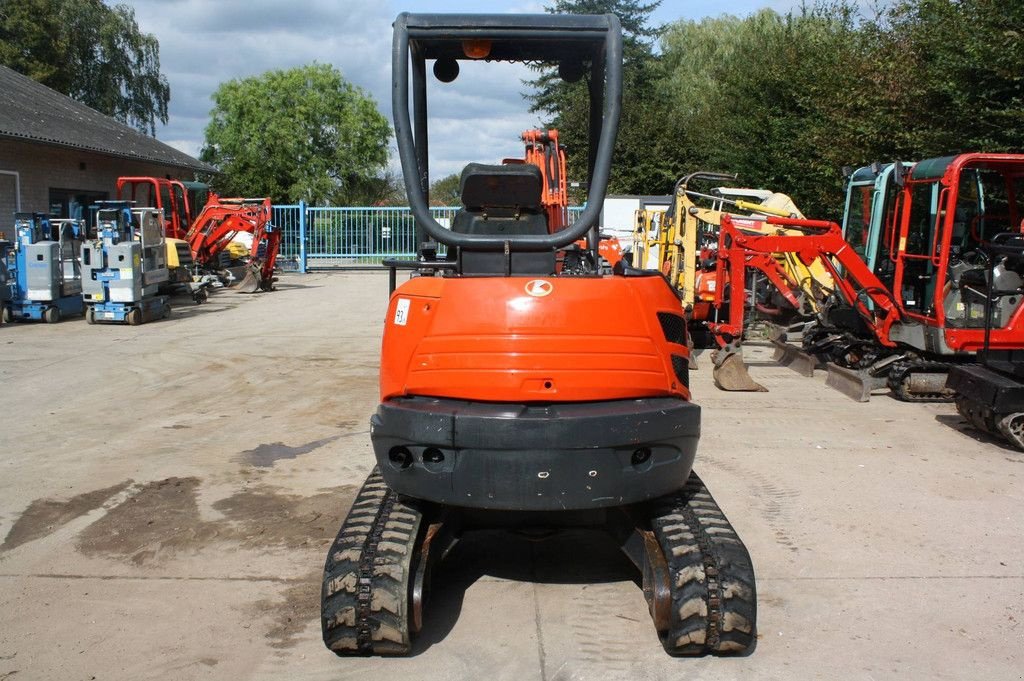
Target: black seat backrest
{"points": [[502, 188], [502, 200]]}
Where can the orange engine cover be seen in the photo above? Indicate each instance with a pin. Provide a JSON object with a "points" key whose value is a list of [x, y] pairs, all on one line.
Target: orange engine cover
{"points": [[530, 339]]}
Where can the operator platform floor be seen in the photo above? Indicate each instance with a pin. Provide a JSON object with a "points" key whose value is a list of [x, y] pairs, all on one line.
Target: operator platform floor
{"points": [[168, 493]]}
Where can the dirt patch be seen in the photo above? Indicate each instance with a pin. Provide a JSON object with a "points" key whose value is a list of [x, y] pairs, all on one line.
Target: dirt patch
{"points": [[265, 456], [44, 516], [264, 516], [292, 611], [161, 518]]}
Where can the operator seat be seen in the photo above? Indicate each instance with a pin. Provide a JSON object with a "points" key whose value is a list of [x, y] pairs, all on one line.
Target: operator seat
{"points": [[502, 200]]}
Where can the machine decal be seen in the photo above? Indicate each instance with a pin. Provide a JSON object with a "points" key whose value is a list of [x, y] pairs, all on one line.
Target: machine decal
{"points": [[402, 312], [538, 288]]}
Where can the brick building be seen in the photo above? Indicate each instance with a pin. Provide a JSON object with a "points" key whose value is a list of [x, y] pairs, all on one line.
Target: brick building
{"points": [[57, 155]]}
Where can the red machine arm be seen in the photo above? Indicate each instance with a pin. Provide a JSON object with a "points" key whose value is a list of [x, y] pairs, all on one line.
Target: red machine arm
{"points": [[823, 240], [222, 219]]}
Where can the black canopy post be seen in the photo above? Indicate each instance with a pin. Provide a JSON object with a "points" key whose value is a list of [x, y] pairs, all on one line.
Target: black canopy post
{"points": [[509, 37]]}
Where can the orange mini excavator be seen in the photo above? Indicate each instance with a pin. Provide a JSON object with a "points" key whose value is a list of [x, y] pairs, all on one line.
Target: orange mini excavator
{"points": [[517, 392]]}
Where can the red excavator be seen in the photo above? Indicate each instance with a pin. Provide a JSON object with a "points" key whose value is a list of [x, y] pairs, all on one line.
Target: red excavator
{"points": [[200, 242], [930, 304], [169, 196], [220, 221], [519, 393]]}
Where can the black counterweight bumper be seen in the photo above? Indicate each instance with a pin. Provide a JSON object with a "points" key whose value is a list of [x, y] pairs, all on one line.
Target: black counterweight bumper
{"points": [[535, 457], [999, 392]]}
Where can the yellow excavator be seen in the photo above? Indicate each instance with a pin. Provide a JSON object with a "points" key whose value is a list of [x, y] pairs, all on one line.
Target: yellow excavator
{"points": [[683, 244], [681, 241]]}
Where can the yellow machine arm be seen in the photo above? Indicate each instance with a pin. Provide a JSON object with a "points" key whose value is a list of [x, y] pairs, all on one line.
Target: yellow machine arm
{"points": [[677, 239]]}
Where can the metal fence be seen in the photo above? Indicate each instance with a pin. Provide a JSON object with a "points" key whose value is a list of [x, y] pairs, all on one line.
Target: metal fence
{"points": [[315, 237]]}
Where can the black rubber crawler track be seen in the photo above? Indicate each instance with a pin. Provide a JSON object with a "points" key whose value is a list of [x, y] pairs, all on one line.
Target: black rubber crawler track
{"points": [[898, 380], [365, 596], [714, 598]]}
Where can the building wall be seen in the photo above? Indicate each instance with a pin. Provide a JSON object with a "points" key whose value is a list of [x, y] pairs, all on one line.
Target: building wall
{"points": [[42, 168]]}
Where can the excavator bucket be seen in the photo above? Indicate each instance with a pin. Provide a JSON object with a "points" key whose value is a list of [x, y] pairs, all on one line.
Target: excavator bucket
{"points": [[251, 282], [730, 372]]}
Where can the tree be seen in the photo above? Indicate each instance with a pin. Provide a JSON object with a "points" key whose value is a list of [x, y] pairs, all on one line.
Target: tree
{"points": [[966, 59], [636, 168], [301, 133], [445, 191], [89, 51]]}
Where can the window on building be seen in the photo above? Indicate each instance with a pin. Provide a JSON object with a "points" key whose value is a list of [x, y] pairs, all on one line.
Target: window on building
{"points": [[73, 203]]}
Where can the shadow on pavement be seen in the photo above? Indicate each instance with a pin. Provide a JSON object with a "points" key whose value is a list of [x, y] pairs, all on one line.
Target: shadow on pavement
{"points": [[960, 425], [570, 556]]}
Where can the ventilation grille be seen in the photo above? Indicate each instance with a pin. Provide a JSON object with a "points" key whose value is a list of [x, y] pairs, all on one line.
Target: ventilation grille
{"points": [[681, 366], [673, 326]]}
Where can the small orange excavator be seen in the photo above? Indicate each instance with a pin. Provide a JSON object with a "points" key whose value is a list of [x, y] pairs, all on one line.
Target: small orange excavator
{"points": [[520, 391], [168, 196], [200, 241], [223, 219]]}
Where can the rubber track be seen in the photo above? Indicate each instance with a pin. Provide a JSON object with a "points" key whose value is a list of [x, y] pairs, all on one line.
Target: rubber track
{"points": [[1005, 426], [365, 593], [714, 597], [901, 371]]}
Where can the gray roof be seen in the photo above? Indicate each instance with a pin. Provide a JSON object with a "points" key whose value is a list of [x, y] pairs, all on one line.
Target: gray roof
{"points": [[31, 111]]}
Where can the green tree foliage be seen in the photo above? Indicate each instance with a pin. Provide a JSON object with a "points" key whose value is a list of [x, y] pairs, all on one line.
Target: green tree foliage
{"points": [[302, 133], [445, 191], [785, 101], [90, 51], [965, 65], [565, 104]]}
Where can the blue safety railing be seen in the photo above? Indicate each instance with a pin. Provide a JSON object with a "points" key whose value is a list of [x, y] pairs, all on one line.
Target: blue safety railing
{"points": [[351, 237]]}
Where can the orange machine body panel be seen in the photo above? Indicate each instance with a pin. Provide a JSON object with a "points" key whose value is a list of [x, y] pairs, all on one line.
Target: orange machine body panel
{"points": [[531, 339]]}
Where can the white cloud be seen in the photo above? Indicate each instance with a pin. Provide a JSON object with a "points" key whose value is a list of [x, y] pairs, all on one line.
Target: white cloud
{"points": [[477, 118]]}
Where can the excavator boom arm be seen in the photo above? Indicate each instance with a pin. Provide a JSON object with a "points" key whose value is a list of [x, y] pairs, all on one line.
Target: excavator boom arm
{"points": [[822, 241]]}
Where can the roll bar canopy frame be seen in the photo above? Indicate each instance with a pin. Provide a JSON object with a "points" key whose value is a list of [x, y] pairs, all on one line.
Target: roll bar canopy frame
{"points": [[596, 39]]}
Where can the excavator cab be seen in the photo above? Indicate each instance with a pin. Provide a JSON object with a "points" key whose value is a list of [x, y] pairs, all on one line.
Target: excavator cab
{"points": [[514, 393], [168, 196]]}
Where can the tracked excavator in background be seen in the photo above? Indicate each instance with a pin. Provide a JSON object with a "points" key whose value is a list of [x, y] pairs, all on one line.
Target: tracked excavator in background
{"points": [[518, 392], [220, 221], [871, 201], [196, 237], [947, 282], [778, 286], [544, 151], [168, 196]]}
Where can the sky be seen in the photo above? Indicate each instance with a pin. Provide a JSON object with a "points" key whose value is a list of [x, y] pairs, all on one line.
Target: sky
{"points": [[477, 118]]}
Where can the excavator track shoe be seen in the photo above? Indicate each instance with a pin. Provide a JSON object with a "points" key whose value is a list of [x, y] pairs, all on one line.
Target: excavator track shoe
{"points": [[920, 381], [714, 596], [365, 598]]}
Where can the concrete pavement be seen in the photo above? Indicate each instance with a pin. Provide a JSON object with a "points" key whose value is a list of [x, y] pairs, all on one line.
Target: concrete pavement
{"points": [[168, 493]]}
